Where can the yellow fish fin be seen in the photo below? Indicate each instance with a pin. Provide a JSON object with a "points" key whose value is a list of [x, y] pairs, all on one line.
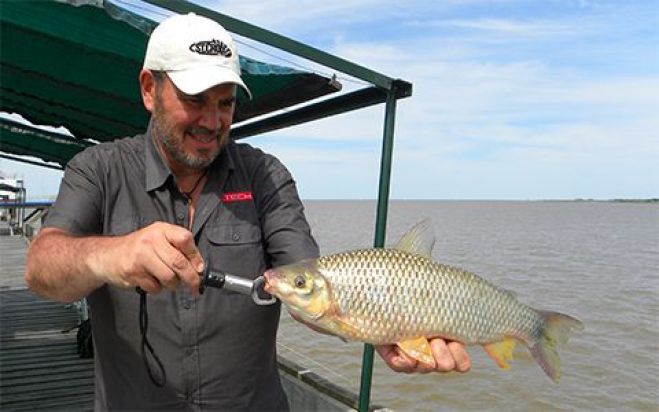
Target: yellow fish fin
{"points": [[418, 349], [346, 329], [501, 352], [340, 326]]}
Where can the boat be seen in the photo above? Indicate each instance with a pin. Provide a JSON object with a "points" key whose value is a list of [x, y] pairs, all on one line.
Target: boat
{"points": [[12, 194], [74, 64]]}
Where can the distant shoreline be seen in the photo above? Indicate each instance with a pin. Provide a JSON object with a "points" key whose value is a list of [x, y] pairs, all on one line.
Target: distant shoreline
{"points": [[578, 200], [652, 200]]}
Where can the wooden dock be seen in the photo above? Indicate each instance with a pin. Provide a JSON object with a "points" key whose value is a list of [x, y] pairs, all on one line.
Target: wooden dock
{"points": [[39, 364]]}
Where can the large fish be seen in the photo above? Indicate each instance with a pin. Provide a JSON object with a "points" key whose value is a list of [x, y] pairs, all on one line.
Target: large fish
{"points": [[401, 296]]}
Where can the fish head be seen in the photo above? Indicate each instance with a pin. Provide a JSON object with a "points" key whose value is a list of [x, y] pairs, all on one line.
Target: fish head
{"points": [[303, 289]]}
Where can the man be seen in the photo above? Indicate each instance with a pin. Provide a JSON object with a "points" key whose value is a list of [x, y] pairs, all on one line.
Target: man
{"points": [[152, 211]]}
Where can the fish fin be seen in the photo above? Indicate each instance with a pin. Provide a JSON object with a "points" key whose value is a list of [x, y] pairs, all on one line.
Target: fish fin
{"points": [[418, 349], [343, 328], [556, 330], [501, 352], [346, 328], [512, 293], [420, 239]]}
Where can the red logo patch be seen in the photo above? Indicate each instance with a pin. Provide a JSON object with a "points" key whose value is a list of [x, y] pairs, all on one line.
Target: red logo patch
{"points": [[237, 197]]}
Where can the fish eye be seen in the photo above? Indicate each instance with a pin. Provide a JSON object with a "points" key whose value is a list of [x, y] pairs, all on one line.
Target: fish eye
{"points": [[300, 281]]}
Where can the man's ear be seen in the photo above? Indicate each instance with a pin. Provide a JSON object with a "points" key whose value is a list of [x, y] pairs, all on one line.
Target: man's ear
{"points": [[148, 89]]}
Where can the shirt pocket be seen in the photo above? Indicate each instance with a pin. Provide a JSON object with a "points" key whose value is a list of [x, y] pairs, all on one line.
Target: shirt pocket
{"points": [[236, 248]]}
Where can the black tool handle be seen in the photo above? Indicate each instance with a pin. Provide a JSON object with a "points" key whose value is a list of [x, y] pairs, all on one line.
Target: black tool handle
{"points": [[213, 279], [245, 286]]}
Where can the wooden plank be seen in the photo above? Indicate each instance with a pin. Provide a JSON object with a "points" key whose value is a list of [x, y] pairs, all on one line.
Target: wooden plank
{"points": [[61, 378], [45, 394], [37, 352], [27, 344], [37, 388], [39, 361], [73, 403], [36, 334], [48, 368]]}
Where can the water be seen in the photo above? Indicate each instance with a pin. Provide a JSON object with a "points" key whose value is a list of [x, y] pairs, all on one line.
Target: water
{"points": [[596, 261]]}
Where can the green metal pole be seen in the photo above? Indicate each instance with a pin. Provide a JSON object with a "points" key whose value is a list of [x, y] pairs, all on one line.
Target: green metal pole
{"points": [[380, 231]]}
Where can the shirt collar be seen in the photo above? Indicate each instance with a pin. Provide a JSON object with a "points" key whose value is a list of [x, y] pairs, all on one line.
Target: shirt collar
{"points": [[225, 156]]}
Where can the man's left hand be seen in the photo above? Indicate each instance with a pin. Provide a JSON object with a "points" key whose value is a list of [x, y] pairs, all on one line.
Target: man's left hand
{"points": [[449, 356]]}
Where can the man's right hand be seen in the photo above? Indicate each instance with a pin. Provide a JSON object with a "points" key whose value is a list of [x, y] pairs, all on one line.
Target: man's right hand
{"points": [[67, 268], [158, 255]]}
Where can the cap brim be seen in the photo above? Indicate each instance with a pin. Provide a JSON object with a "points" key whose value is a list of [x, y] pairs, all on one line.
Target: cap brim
{"points": [[197, 80]]}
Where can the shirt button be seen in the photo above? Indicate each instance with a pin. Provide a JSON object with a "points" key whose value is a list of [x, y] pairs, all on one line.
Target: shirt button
{"points": [[236, 236], [180, 217], [187, 303]]}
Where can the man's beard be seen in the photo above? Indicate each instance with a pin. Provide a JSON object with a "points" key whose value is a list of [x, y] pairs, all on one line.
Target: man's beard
{"points": [[166, 134]]}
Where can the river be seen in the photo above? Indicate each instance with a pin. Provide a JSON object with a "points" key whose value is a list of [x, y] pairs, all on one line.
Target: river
{"points": [[597, 261]]}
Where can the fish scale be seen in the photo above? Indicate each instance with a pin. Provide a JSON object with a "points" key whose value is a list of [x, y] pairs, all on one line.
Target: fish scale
{"points": [[401, 296], [395, 295]]}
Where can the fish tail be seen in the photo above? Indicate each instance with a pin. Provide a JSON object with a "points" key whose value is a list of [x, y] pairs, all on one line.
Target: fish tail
{"points": [[555, 331]]}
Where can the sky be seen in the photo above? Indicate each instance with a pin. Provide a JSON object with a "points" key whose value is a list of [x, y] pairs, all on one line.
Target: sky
{"points": [[513, 99]]}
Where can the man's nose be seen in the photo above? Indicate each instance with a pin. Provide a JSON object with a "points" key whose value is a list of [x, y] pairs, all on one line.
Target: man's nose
{"points": [[211, 118]]}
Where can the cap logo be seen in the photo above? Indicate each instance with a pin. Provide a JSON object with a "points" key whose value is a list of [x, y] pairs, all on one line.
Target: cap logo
{"points": [[211, 48]]}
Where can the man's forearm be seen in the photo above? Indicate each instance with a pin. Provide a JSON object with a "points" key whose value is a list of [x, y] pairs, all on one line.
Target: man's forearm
{"points": [[67, 268], [61, 267]]}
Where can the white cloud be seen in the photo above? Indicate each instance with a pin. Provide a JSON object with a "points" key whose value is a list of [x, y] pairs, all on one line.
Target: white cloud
{"points": [[289, 16], [526, 27], [511, 119]]}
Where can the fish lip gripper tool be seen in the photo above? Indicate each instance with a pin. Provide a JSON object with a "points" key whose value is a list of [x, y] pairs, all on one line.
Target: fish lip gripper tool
{"points": [[222, 280]]}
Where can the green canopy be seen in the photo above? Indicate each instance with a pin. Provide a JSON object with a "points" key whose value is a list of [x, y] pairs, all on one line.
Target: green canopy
{"points": [[18, 138], [77, 66]]}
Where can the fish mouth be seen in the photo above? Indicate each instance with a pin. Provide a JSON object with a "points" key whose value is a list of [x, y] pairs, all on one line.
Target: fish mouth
{"points": [[271, 278]]}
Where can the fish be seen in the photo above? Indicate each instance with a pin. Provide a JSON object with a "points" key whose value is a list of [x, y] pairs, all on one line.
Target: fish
{"points": [[401, 296]]}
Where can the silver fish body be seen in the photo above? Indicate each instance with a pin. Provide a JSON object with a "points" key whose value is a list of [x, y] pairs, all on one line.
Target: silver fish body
{"points": [[392, 295], [401, 296]]}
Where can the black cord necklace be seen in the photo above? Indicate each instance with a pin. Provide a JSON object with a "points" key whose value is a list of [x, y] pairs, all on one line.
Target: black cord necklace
{"points": [[188, 194]]}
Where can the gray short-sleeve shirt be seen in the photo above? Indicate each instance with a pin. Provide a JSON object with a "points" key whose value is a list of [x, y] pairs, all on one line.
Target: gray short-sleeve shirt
{"points": [[218, 350]]}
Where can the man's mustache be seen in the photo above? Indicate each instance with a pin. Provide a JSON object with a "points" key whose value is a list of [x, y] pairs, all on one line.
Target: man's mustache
{"points": [[204, 131]]}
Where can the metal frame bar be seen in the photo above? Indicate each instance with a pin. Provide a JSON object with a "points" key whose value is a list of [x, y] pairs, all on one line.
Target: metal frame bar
{"points": [[32, 162], [345, 103], [380, 231]]}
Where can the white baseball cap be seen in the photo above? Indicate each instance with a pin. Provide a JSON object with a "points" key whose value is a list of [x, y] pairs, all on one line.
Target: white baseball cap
{"points": [[196, 52]]}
